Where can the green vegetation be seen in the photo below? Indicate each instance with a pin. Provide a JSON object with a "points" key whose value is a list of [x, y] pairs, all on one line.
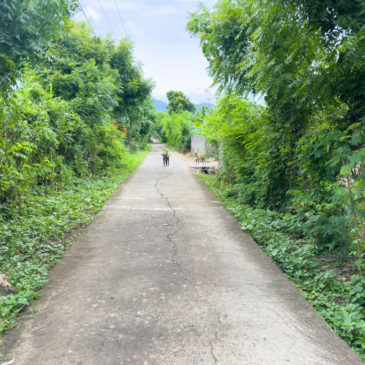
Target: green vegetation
{"points": [[26, 29], [333, 291], [66, 118], [179, 103], [75, 110], [175, 130], [176, 127], [35, 238], [294, 165], [303, 152]]}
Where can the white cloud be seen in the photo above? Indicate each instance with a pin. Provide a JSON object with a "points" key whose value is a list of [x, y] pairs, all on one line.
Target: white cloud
{"points": [[123, 5], [163, 10], [132, 29], [157, 29], [110, 4], [94, 15]]}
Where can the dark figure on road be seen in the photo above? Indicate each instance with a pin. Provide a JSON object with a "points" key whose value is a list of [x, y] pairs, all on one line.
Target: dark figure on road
{"points": [[165, 158]]}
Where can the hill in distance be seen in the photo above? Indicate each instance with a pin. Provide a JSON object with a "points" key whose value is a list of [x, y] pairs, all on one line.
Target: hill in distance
{"points": [[206, 105], [161, 106]]}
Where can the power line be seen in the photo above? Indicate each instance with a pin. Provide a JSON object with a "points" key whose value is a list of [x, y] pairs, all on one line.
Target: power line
{"points": [[120, 17], [110, 25], [93, 24], [78, 1]]}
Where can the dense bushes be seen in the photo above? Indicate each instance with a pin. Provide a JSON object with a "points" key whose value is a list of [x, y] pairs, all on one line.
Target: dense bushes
{"points": [[310, 179], [252, 153], [34, 132], [303, 151], [65, 118], [176, 129]]}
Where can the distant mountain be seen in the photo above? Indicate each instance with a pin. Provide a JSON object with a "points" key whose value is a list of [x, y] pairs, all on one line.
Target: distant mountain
{"points": [[160, 106], [206, 105]]}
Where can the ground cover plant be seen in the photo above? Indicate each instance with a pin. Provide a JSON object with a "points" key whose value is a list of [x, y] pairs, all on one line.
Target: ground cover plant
{"points": [[35, 238], [334, 288]]}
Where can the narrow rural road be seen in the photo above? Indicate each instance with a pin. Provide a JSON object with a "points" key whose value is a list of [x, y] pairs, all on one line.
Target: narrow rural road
{"points": [[164, 275]]}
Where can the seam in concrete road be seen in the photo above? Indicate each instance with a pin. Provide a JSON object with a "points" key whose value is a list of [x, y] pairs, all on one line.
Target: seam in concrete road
{"points": [[212, 352], [173, 259], [176, 224], [216, 339], [212, 346]]}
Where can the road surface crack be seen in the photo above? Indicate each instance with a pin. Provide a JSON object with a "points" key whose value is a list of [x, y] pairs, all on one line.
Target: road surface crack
{"points": [[212, 352], [176, 224], [216, 339]]}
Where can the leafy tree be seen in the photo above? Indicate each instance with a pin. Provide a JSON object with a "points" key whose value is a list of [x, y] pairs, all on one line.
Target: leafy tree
{"points": [[26, 28], [79, 71], [301, 57], [176, 129], [332, 17], [306, 59], [80, 74], [341, 25], [133, 89], [60, 121], [178, 102], [134, 105], [224, 42]]}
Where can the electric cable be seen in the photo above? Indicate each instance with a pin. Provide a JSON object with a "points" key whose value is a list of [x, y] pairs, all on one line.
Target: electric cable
{"points": [[88, 17], [102, 9], [78, 1], [121, 19]]}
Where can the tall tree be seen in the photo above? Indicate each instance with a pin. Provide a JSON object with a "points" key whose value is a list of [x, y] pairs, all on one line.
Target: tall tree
{"points": [[301, 57], [133, 91], [178, 102], [80, 73]]}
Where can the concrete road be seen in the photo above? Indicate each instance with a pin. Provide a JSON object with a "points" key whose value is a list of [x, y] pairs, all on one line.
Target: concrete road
{"points": [[164, 275]]}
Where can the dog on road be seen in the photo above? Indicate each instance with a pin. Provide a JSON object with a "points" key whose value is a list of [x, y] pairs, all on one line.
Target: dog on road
{"points": [[166, 158]]}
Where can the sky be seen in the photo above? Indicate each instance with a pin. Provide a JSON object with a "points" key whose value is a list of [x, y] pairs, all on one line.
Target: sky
{"points": [[169, 56]]}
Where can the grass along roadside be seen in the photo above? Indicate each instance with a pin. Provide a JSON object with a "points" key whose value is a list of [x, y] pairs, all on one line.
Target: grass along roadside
{"points": [[42, 231], [338, 296]]}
